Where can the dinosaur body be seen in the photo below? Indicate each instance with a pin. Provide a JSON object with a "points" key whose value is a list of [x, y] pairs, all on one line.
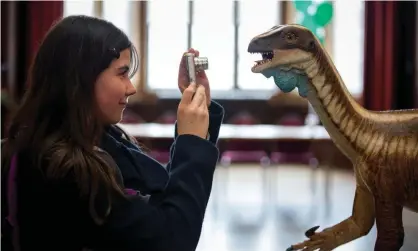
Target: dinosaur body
{"points": [[383, 146]]}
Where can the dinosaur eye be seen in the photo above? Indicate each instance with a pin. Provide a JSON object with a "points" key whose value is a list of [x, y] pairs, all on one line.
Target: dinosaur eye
{"points": [[290, 36]]}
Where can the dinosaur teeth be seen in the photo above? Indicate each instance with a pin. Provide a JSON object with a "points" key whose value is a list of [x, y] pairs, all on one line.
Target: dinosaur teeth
{"points": [[260, 62], [267, 57]]}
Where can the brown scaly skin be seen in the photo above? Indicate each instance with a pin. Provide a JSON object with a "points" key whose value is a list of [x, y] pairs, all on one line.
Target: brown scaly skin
{"points": [[383, 146]]}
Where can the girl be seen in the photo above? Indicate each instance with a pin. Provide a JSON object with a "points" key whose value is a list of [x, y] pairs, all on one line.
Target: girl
{"points": [[72, 180]]}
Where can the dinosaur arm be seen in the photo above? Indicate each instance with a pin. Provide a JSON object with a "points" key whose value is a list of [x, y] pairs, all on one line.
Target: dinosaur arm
{"points": [[362, 219], [357, 225]]}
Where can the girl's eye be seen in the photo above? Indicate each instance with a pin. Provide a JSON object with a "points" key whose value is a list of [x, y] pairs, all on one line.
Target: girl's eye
{"points": [[124, 74]]}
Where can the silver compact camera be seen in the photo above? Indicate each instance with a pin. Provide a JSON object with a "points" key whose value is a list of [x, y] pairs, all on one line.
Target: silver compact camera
{"points": [[194, 65]]}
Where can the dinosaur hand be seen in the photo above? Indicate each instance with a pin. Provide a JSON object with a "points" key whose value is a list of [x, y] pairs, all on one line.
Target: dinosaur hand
{"points": [[322, 241]]}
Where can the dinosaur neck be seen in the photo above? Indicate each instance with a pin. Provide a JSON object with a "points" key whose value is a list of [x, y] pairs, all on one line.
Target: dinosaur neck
{"points": [[345, 120]]}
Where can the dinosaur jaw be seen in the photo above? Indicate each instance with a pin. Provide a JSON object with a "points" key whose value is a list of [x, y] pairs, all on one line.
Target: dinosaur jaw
{"points": [[292, 58], [266, 62]]}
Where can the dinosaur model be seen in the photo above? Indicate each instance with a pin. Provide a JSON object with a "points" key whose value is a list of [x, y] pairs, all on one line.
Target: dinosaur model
{"points": [[383, 146]]}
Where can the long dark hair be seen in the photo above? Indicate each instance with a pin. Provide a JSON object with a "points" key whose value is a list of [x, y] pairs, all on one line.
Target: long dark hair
{"points": [[56, 119]]}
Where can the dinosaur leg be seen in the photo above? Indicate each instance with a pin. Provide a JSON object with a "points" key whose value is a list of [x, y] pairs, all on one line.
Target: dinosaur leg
{"points": [[390, 232], [359, 224]]}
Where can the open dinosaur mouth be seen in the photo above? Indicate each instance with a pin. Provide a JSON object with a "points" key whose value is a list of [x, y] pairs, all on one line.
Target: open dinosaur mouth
{"points": [[267, 56]]}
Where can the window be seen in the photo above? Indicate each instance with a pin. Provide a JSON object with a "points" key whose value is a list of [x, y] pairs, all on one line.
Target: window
{"points": [[214, 38], [79, 8], [348, 47], [255, 17], [118, 12], [167, 39], [224, 40], [173, 26]]}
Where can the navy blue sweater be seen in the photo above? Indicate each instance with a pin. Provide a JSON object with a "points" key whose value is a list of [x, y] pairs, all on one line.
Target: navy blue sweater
{"points": [[169, 215]]}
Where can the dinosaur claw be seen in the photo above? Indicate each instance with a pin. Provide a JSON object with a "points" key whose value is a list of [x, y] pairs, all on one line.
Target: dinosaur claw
{"points": [[290, 248], [311, 231]]}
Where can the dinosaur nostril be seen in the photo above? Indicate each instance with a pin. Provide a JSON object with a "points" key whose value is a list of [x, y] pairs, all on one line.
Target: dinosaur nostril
{"points": [[311, 44]]}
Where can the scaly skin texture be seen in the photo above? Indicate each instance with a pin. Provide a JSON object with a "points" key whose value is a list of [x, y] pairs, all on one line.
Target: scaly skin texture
{"points": [[383, 146]]}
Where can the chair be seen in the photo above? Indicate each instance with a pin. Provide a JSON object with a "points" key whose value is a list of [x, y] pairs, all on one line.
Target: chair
{"points": [[243, 151], [293, 152]]}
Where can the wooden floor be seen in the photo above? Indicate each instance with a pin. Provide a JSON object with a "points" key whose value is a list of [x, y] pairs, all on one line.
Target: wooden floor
{"points": [[237, 219]]}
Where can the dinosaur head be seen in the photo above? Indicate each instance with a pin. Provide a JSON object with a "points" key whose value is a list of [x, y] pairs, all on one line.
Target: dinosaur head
{"points": [[288, 54]]}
